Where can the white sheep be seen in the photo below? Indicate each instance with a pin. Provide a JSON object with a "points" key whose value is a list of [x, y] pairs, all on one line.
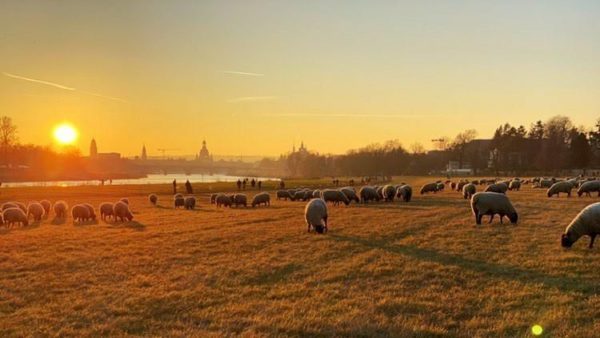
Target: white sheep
{"points": [[514, 185], [213, 198], [124, 200], [283, 194], [587, 222], [261, 198], [429, 187], [107, 210], [492, 203], [350, 194], [317, 194], [469, 190], [404, 192], [91, 209], [368, 194], [239, 199], [189, 203], [36, 210], [335, 196], [223, 200], [178, 201], [122, 212], [80, 213], [315, 214], [588, 187], [11, 216], [499, 187], [60, 209], [46, 205], [389, 192], [558, 187]]}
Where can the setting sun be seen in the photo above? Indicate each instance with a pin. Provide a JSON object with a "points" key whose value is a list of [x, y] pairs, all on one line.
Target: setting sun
{"points": [[65, 133]]}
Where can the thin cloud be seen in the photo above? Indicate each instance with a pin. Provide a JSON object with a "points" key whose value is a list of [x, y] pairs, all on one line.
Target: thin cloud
{"points": [[56, 85], [59, 86], [241, 73], [253, 98]]}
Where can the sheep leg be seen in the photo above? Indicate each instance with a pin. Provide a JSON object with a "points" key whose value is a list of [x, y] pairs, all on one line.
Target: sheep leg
{"points": [[501, 217], [491, 218], [593, 236], [308, 227]]}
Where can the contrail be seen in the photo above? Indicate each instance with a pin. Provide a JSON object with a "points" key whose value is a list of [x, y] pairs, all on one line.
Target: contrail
{"points": [[241, 73], [253, 98], [56, 85], [38, 81]]}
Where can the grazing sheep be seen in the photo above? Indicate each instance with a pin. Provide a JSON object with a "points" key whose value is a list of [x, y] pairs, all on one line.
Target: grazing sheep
{"points": [[11, 216], [317, 193], [261, 198], [189, 203], [80, 213], [350, 194], [452, 185], [178, 201], [379, 191], [307, 195], [223, 200], [153, 199], [298, 195], [9, 205], [106, 210], [497, 187], [60, 209], [368, 194], [492, 203], [558, 187], [335, 196], [122, 212], [429, 187], [460, 185], [240, 199], [124, 200], [36, 210], [315, 214], [283, 194], [475, 182], [46, 205], [588, 187], [543, 183], [213, 198], [440, 186], [587, 222], [389, 192], [91, 209], [405, 193], [514, 185], [469, 190]]}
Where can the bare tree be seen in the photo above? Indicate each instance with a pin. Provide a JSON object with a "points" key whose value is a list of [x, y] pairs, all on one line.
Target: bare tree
{"points": [[460, 143], [417, 148], [8, 136]]}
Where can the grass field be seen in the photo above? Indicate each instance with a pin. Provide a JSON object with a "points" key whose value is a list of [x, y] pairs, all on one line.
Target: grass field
{"points": [[399, 269]]}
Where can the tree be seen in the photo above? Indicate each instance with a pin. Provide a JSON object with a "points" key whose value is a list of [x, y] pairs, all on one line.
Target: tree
{"points": [[417, 148], [460, 143], [580, 151], [8, 137]]}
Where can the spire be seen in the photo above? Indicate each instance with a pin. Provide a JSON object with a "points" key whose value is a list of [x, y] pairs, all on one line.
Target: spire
{"points": [[144, 154], [93, 148]]}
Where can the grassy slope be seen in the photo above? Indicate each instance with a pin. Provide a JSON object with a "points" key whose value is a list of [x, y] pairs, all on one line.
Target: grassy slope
{"points": [[419, 269]]}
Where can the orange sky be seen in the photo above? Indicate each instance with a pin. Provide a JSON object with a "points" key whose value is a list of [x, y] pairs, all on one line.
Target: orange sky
{"points": [[255, 77]]}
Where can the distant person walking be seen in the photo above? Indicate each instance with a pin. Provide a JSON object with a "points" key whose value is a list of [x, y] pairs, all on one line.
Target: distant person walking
{"points": [[253, 183], [174, 187], [244, 184], [188, 187], [259, 185], [282, 184], [239, 184]]}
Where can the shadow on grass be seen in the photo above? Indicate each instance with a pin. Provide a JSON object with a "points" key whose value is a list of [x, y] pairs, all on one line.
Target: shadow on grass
{"points": [[58, 221], [493, 270], [134, 225]]}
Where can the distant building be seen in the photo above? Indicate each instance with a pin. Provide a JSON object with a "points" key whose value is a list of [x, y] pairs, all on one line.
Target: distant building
{"points": [[144, 154], [204, 154], [93, 149], [109, 156]]}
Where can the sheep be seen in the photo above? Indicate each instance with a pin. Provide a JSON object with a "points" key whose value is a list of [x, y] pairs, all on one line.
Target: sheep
{"points": [[317, 193], [315, 214], [389, 192], [475, 182], [452, 185], [223, 200], [514, 185], [469, 190], [261, 198], [429, 187], [335, 196], [122, 212], [440, 186], [240, 199], [405, 192], [14, 215], [559, 187], [460, 185], [350, 194], [106, 210], [18, 205], [124, 200], [307, 195], [283, 194], [492, 203], [91, 209], [153, 199], [497, 187], [46, 205], [587, 222], [60, 209], [36, 210], [189, 203], [213, 198], [368, 194], [298, 195], [379, 192], [178, 201], [543, 183], [80, 213], [588, 187]]}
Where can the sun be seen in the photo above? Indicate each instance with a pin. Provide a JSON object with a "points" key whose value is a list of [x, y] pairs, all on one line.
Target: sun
{"points": [[65, 133]]}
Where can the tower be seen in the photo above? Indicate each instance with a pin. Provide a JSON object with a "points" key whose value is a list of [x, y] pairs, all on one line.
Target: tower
{"points": [[204, 155], [144, 154], [93, 149]]}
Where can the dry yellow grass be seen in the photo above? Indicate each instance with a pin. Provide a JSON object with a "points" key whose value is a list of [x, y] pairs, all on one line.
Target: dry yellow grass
{"points": [[416, 269]]}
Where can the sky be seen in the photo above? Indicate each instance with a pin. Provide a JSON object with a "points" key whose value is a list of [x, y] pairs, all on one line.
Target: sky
{"points": [[256, 77]]}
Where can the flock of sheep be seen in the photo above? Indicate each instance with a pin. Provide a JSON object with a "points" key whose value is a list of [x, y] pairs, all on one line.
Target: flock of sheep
{"points": [[492, 201]]}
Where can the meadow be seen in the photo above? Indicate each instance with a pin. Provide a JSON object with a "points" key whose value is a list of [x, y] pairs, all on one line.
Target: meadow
{"points": [[420, 269]]}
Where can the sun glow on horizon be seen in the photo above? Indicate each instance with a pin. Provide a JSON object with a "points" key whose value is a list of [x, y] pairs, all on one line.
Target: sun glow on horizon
{"points": [[65, 134]]}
